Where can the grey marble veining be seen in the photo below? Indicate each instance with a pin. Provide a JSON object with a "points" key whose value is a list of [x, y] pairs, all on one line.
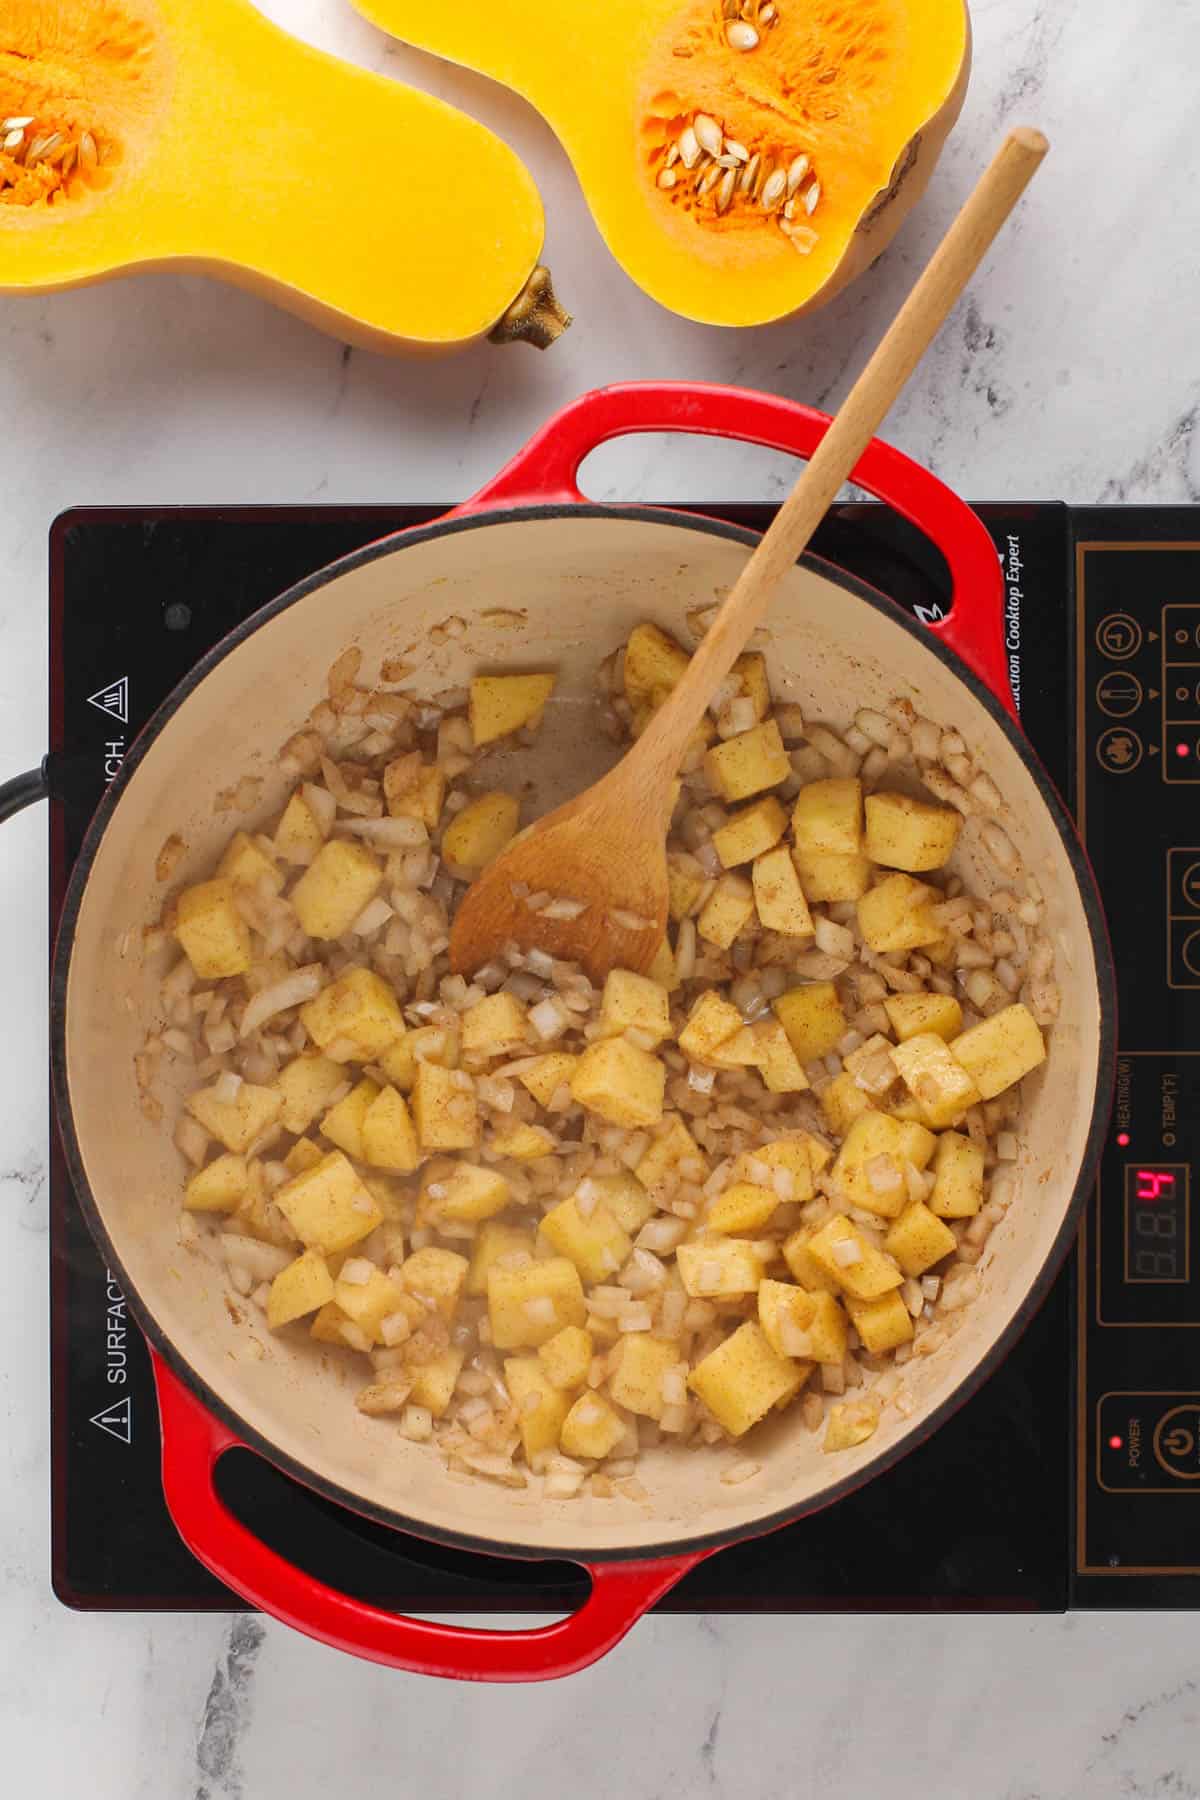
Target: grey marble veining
{"points": [[1069, 372]]}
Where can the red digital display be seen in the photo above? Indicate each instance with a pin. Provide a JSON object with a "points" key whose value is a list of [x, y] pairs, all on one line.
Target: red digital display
{"points": [[1156, 1223]]}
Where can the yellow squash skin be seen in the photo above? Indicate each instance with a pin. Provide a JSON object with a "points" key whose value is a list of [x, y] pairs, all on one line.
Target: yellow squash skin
{"points": [[868, 88], [379, 214]]}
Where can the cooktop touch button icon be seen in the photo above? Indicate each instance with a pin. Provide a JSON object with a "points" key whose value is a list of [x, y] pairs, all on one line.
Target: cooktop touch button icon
{"points": [[1118, 636], [1177, 1442], [1118, 750], [1119, 693]]}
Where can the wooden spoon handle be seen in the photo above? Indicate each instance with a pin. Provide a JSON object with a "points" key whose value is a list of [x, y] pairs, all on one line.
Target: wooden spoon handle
{"points": [[868, 403]]}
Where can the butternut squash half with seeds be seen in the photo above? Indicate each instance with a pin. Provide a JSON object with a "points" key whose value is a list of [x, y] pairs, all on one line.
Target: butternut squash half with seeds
{"points": [[195, 135], [744, 159]]}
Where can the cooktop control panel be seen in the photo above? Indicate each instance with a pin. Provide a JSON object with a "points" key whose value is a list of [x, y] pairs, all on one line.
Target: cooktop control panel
{"points": [[1137, 681]]}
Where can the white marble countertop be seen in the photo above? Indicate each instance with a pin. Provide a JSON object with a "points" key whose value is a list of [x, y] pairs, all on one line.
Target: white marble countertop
{"points": [[1070, 373]]}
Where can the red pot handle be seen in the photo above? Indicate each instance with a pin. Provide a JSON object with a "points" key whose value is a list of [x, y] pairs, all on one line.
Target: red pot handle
{"points": [[193, 1444], [545, 471]]}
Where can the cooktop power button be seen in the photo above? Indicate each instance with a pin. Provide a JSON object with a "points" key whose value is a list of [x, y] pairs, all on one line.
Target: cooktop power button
{"points": [[1177, 1442]]}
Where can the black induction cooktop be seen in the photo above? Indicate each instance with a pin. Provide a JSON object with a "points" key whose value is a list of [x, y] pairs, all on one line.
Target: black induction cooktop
{"points": [[1073, 1478]]}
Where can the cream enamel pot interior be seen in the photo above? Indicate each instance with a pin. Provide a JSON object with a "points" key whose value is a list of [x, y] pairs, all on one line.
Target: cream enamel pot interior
{"points": [[543, 580]]}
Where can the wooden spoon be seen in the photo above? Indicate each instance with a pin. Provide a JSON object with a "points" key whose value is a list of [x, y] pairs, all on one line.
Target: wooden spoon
{"points": [[606, 849]]}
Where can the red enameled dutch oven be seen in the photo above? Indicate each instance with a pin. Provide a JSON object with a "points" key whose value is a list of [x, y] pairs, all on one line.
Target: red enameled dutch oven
{"points": [[542, 578]]}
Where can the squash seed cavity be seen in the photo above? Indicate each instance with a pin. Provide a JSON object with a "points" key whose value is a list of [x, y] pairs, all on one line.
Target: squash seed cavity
{"points": [[760, 91], [74, 80]]}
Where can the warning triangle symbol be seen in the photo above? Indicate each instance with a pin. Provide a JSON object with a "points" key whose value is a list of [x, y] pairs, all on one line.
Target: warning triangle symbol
{"points": [[117, 1420], [113, 699]]}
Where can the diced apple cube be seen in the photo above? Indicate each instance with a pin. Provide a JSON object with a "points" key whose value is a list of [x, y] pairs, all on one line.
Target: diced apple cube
{"points": [[1000, 1050], [301, 1156], [502, 704], [495, 1026], [634, 1002], [775, 1059], [330, 1326], [807, 1269], [301, 1288], [662, 969], [912, 1015], [903, 833], [626, 1199], [825, 876], [399, 1064], [238, 1122], [751, 832], [368, 1303], [541, 1406], [869, 1169], [958, 1177], [918, 1239], [304, 1086], [433, 1382], [544, 1077], [827, 1329], [653, 663], [813, 1018], [298, 835], [778, 894], [529, 1306], [743, 1378], [343, 1123], [389, 1138], [493, 1240], [469, 1193], [828, 818], [327, 1206], [751, 670], [932, 1073], [727, 909], [917, 1142], [477, 835], [803, 1156], [437, 1275], [620, 1083], [444, 1108], [258, 1216], [414, 790], [219, 1187], [567, 1356], [639, 1364], [686, 882], [335, 887], [246, 863], [842, 1102], [355, 1017], [591, 1428], [748, 763], [850, 1423], [897, 914], [711, 1022], [867, 1275], [672, 1144], [211, 931], [594, 1242], [784, 1312], [716, 1268], [742, 1207], [882, 1324]]}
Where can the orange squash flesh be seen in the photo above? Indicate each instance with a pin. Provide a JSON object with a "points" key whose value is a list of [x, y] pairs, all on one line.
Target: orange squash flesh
{"points": [[195, 135], [853, 98]]}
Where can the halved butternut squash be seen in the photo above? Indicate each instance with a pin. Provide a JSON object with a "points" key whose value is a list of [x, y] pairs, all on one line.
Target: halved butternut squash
{"points": [[744, 159], [194, 134]]}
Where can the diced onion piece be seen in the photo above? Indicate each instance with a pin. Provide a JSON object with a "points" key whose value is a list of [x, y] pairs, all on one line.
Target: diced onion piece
{"points": [[293, 990]]}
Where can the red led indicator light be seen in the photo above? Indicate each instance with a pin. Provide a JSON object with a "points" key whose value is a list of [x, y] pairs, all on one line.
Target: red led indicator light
{"points": [[1115, 1442], [1181, 749], [1122, 1138]]}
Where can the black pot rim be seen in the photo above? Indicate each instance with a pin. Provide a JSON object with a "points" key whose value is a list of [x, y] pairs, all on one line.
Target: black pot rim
{"points": [[308, 1477]]}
